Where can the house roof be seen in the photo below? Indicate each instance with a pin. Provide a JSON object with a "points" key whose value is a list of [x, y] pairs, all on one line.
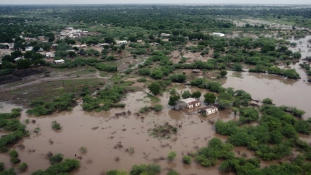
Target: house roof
{"points": [[190, 100]]}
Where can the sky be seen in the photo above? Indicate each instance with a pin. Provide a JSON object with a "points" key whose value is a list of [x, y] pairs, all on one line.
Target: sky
{"points": [[19, 2]]}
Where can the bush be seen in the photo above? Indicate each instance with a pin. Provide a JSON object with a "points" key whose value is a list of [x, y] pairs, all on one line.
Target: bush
{"points": [[186, 94], [150, 169], [172, 172], [248, 115], [22, 167], [56, 126], [186, 160], [171, 156], [226, 128], [267, 101], [158, 108], [60, 168], [56, 158], [116, 172], [180, 78]]}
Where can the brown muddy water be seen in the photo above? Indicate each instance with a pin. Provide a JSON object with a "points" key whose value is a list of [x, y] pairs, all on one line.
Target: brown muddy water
{"points": [[107, 137], [281, 90]]}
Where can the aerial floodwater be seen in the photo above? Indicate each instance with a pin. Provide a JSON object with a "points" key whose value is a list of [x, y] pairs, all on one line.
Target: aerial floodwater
{"points": [[281, 90]]}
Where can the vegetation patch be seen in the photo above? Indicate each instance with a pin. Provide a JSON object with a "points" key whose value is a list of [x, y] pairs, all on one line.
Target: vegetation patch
{"points": [[163, 131]]}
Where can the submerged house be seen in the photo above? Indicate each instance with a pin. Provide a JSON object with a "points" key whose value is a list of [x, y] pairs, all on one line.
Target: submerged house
{"points": [[209, 109], [189, 103]]}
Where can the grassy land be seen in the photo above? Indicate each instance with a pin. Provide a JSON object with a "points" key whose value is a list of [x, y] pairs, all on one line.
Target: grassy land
{"points": [[49, 90]]}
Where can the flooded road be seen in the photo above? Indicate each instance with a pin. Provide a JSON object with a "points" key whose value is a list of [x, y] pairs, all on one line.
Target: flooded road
{"points": [[281, 90]]}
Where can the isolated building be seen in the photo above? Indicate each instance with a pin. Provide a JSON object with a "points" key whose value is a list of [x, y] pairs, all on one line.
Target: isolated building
{"points": [[121, 42], [189, 103], [218, 34], [209, 110], [61, 61], [165, 34]]}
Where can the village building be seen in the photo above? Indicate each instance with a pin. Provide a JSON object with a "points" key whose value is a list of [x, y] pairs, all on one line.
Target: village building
{"points": [[209, 110], [49, 55], [18, 58], [121, 42], [189, 103], [218, 34], [165, 34], [29, 48], [61, 61]]}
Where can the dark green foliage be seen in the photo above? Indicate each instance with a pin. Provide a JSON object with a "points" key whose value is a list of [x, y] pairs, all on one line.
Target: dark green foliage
{"points": [[16, 112], [22, 167], [66, 166], [116, 172], [58, 104], [216, 149], [173, 100], [226, 128], [106, 67], [1, 166], [248, 115], [9, 171], [209, 98], [186, 94], [108, 97], [150, 169], [172, 172], [240, 166], [196, 94], [186, 160], [237, 67], [56, 158], [267, 101], [154, 88], [180, 78], [14, 157]]}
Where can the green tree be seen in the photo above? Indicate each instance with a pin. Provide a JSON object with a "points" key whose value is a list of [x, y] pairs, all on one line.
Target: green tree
{"points": [[154, 88], [223, 73], [173, 100], [23, 63], [186, 160], [186, 94], [196, 94], [209, 98]]}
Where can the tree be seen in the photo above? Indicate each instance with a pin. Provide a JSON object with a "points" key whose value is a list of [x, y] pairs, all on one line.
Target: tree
{"points": [[237, 67], [154, 88], [209, 98], [267, 101], [196, 94], [173, 100], [23, 63], [223, 73], [186, 94]]}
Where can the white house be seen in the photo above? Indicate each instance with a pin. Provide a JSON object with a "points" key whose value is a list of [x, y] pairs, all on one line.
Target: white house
{"points": [[121, 42], [29, 48], [189, 103], [218, 34], [61, 61], [49, 54], [18, 58], [165, 34], [209, 109]]}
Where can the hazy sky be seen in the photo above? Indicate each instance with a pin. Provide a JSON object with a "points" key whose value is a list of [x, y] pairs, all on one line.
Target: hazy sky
{"points": [[154, 1]]}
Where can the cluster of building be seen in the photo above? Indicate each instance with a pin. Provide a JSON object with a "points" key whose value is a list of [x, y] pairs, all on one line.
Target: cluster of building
{"points": [[70, 32], [191, 103]]}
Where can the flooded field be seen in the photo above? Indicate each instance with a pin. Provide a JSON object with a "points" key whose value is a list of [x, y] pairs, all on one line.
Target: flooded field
{"points": [[281, 90], [108, 138]]}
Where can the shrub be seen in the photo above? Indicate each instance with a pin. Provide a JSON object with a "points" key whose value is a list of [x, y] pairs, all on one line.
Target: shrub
{"points": [[1, 166], [186, 160], [267, 101], [171, 156], [116, 172], [56, 126], [83, 149], [56, 158], [172, 172], [248, 115], [158, 108], [60, 168], [22, 167], [150, 169]]}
